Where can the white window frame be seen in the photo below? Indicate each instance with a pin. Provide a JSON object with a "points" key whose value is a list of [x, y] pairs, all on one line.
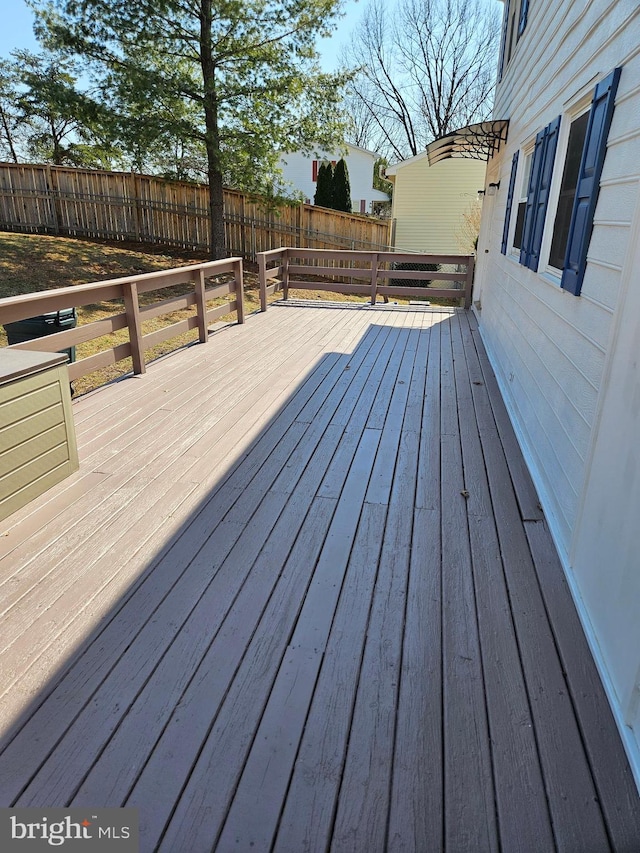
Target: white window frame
{"points": [[522, 181], [576, 107]]}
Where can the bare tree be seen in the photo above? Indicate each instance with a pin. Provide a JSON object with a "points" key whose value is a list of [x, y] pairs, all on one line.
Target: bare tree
{"points": [[425, 67]]}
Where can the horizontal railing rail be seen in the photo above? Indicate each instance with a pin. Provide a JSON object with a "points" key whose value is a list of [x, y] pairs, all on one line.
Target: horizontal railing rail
{"points": [[334, 271], [129, 289]]}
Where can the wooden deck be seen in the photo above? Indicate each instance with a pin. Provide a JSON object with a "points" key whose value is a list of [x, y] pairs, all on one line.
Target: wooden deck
{"points": [[301, 597]]}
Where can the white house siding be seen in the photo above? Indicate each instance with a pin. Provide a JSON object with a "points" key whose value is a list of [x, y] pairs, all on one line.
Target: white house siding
{"points": [[429, 202], [549, 348], [297, 171], [605, 558]]}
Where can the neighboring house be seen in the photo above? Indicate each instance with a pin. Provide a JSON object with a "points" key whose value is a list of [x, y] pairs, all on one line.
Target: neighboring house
{"points": [[301, 171], [558, 299], [429, 202]]}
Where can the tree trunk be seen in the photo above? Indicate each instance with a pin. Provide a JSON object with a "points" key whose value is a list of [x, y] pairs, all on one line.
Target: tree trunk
{"points": [[8, 136], [217, 248], [57, 153]]}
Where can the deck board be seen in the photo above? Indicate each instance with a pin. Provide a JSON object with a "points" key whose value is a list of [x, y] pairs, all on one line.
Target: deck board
{"points": [[470, 821], [308, 816], [300, 596], [516, 767], [576, 816]]}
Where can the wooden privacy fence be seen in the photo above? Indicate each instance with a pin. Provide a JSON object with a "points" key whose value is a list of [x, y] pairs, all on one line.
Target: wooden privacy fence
{"points": [[140, 208], [333, 271], [128, 289]]}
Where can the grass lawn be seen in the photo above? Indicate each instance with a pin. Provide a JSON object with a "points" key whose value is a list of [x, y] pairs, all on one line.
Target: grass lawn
{"points": [[32, 262]]}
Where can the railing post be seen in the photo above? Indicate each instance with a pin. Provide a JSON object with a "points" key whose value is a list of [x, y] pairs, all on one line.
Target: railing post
{"points": [[262, 278], [374, 277], [285, 274], [135, 326], [239, 282], [201, 306], [468, 285]]}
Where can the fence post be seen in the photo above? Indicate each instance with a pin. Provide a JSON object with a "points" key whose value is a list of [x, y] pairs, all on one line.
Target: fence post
{"points": [[299, 240], [253, 239], [239, 283], [468, 285], [134, 323], [243, 227], [55, 201], [137, 202], [374, 277], [201, 306]]}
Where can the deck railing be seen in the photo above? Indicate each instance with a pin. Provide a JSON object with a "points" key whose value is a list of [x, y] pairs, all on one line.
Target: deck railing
{"points": [[334, 271], [128, 289]]}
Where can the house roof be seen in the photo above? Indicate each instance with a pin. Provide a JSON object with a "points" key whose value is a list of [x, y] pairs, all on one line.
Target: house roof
{"points": [[363, 150], [378, 195], [392, 170], [336, 150]]}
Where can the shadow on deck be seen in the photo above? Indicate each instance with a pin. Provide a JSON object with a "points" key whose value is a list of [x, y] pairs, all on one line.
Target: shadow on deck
{"points": [[301, 596]]}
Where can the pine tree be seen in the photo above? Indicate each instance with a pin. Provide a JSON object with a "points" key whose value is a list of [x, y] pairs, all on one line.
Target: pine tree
{"points": [[324, 185], [341, 188], [248, 68]]}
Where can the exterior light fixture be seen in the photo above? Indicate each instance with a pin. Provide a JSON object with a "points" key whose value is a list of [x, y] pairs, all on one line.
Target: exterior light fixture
{"points": [[493, 188]]}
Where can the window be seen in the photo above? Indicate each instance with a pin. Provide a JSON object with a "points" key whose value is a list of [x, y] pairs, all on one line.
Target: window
{"points": [[315, 165], [511, 34], [516, 13], [524, 13], [578, 194], [568, 191], [522, 202], [503, 40]]}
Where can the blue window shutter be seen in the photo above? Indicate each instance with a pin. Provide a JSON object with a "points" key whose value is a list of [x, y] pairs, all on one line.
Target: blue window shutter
{"points": [[584, 204], [507, 214], [532, 191], [524, 11], [538, 194], [542, 197]]}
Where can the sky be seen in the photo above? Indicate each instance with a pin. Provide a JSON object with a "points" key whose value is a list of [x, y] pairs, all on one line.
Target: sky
{"points": [[18, 30], [18, 27]]}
